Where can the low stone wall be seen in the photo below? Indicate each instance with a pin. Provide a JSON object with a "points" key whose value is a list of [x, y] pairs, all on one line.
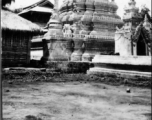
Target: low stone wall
{"points": [[120, 77], [63, 66], [27, 75], [69, 67], [72, 71], [24, 75], [123, 60], [140, 68], [44, 75]]}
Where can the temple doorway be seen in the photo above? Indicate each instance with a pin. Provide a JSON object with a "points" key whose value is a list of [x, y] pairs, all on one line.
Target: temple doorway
{"points": [[141, 47]]}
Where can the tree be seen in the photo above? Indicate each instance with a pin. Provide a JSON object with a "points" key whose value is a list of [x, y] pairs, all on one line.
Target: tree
{"points": [[5, 2]]}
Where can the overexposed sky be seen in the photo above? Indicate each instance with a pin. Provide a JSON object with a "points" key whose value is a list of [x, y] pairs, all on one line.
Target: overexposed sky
{"points": [[120, 3]]}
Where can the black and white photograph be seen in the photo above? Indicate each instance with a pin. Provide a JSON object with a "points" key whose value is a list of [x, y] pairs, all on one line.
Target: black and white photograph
{"points": [[76, 60]]}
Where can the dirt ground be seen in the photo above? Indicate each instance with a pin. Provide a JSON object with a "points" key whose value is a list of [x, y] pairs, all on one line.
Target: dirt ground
{"points": [[75, 101]]}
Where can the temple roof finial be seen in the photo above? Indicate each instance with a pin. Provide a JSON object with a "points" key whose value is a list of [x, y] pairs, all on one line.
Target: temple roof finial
{"points": [[132, 2], [144, 8], [56, 4], [146, 23], [146, 18]]}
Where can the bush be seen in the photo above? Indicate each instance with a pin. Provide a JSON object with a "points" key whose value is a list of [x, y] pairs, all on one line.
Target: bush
{"points": [[69, 67]]}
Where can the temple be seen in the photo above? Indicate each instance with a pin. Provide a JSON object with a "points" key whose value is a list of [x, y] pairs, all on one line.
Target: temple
{"points": [[132, 45], [88, 29], [135, 37]]}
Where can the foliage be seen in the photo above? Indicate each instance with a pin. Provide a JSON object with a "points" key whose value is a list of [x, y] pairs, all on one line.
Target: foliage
{"points": [[4, 2]]}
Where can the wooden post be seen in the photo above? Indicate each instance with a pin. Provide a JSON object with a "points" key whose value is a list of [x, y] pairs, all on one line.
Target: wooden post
{"points": [[29, 47], [132, 52]]}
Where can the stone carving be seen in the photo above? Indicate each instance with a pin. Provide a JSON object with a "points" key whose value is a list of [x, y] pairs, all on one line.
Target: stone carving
{"points": [[78, 43], [67, 29], [97, 18], [54, 15]]}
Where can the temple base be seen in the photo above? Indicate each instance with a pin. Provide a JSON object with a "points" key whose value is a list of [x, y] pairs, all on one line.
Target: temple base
{"points": [[138, 67], [88, 56]]}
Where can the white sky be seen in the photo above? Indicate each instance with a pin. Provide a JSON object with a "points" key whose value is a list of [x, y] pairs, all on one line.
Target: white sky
{"points": [[120, 3]]}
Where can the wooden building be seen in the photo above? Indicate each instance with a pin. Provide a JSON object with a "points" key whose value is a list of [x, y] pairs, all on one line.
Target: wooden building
{"points": [[38, 13], [16, 38]]}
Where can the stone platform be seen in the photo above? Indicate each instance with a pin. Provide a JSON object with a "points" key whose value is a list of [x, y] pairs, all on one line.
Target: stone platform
{"points": [[138, 67], [119, 73], [123, 60]]}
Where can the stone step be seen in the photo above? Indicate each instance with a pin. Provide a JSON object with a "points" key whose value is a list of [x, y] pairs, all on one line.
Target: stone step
{"points": [[119, 73], [123, 60]]}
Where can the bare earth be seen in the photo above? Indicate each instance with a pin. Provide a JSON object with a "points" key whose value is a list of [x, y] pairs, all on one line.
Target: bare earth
{"points": [[75, 101]]}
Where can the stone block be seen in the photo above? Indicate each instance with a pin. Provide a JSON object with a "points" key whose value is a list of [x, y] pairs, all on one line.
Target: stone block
{"points": [[123, 60], [57, 50]]}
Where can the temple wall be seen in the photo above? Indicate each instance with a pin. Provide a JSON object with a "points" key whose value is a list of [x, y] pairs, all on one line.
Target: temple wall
{"points": [[135, 49], [122, 46], [150, 51]]}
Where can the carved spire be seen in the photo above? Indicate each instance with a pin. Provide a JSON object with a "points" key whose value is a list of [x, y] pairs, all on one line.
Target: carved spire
{"points": [[146, 18], [146, 23], [56, 4], [132, 6], [131, 11], [144, 8], [132, 3]]}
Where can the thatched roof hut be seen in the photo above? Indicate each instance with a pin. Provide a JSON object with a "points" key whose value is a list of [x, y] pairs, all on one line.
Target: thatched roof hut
{"points": [[17, 34], [12, 21]]}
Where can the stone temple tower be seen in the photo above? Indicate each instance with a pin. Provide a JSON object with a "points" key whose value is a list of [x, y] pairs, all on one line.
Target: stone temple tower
{"points": [[96, 19], [54, 44]]}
